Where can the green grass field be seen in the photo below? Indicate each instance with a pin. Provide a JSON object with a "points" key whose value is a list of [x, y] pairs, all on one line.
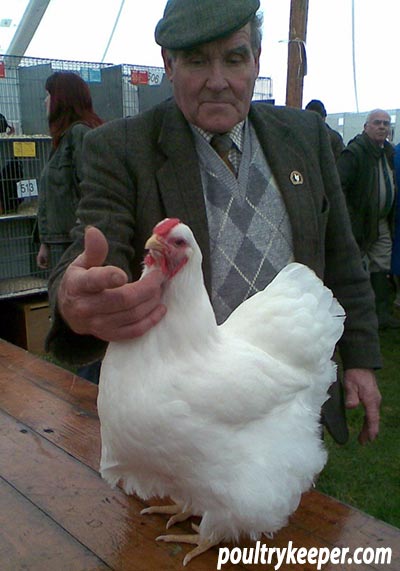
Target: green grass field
{"points": [[368, 477]]}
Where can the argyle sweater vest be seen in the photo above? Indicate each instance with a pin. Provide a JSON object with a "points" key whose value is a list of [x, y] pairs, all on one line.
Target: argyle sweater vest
{"points": [[249, 228]]}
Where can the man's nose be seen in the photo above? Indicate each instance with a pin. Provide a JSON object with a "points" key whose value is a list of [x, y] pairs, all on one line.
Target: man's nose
{"points": [[216, 77]]}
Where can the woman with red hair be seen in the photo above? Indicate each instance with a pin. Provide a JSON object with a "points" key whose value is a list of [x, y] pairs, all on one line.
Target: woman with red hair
{"points": [[70, 115]]}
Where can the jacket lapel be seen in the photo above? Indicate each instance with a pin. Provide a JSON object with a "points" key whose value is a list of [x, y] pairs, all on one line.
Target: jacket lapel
{"points": [[290, 168], [180, 184]]}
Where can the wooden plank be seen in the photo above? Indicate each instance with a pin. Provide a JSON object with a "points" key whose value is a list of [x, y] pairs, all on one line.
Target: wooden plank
{"points": [[30, 540], [105, 521], [68, 425], [55, 419], [322, 522], [58, 408], [21, 364], [336, 522], [339, 525]]}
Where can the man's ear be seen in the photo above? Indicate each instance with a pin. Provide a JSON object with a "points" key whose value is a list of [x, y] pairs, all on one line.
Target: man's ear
{"points": [[257, 60], [168, 63]]}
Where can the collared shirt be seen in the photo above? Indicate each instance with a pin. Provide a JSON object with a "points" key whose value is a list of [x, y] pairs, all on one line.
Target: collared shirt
{"points": [[237, 136]]}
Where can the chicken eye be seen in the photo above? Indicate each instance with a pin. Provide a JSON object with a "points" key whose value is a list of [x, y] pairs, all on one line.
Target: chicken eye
{"points": [[180, 242]]}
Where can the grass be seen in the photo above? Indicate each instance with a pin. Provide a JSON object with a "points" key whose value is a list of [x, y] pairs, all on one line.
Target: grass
{"points": [[368, 477]]}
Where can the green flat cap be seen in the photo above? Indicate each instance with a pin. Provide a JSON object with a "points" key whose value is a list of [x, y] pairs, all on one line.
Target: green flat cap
{"points": [[187, 23]]}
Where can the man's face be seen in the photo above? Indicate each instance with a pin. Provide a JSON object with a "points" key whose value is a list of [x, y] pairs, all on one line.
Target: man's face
{"points": [[213, 83], [378, 127]]}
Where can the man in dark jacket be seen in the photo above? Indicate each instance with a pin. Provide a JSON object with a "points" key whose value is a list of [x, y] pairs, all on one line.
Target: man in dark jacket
{"points": [[367, 177], [141, 169], [334, 137]]}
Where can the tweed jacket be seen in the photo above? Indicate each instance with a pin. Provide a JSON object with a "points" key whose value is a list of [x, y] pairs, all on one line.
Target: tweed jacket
{"points": [[141, 169]]}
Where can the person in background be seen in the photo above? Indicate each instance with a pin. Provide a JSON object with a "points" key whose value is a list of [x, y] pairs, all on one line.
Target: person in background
{"points": [[396, 241], [271, 195], [70, 116], [367, 176], [335, 138], [5, 127]]}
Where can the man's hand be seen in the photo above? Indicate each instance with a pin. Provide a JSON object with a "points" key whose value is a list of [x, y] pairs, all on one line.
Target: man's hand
{"points": [[96, 300], [361, 387]]}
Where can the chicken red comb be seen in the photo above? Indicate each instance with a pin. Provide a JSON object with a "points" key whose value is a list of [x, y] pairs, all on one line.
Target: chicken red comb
{"points": [[165, 226]]}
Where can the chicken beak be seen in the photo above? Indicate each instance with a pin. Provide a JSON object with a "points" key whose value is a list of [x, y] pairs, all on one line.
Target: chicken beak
{"points": [[154, 243]]}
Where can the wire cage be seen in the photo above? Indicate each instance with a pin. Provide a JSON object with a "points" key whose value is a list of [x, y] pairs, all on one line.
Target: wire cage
{"points": [[21, 161], [117, 91], [19, 273]]}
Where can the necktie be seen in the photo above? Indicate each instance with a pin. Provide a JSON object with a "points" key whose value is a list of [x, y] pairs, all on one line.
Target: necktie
{"points": [[222, 144], [388, 187]]}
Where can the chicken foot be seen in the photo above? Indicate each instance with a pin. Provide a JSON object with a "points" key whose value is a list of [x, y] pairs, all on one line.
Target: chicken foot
{"points": [[175, 510], [203, 545]]}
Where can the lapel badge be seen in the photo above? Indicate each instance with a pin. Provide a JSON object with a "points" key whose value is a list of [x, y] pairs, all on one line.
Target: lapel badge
{"points": [[296, 178]]}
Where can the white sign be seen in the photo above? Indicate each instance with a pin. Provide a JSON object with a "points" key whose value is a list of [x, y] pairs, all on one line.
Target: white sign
{"points": [[155, 76], [27, 188]]}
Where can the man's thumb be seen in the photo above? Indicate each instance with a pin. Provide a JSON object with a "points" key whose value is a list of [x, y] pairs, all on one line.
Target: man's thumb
{"points": [[96, 248]]}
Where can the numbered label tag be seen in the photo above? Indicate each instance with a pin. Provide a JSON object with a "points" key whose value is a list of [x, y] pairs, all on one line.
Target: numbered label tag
{"points": [[155, 77], [27, 188]]}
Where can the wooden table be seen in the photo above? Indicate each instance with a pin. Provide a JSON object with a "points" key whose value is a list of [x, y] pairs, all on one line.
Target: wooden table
{"points": [[57, 514]]}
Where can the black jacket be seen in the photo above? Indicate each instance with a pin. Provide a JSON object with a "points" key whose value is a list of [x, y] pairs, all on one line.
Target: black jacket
{"points": [[358, 168]]}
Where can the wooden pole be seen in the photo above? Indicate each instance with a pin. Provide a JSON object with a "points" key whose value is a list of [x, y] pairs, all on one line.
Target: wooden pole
{"points": [[297, 57]]}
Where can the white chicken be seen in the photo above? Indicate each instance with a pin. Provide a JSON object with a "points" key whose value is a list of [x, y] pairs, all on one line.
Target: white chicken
{"points": [[224, 420]]}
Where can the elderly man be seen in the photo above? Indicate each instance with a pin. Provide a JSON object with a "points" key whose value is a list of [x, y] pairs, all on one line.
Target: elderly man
{"points": [[366, 170], [273, 184]]}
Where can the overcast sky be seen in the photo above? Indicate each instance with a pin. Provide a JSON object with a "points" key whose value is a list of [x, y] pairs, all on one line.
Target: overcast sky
{"points": [[80, 30]]}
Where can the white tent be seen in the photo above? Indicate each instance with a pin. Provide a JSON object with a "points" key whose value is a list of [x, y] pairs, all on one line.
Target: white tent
{"points": [[350, 43]]}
